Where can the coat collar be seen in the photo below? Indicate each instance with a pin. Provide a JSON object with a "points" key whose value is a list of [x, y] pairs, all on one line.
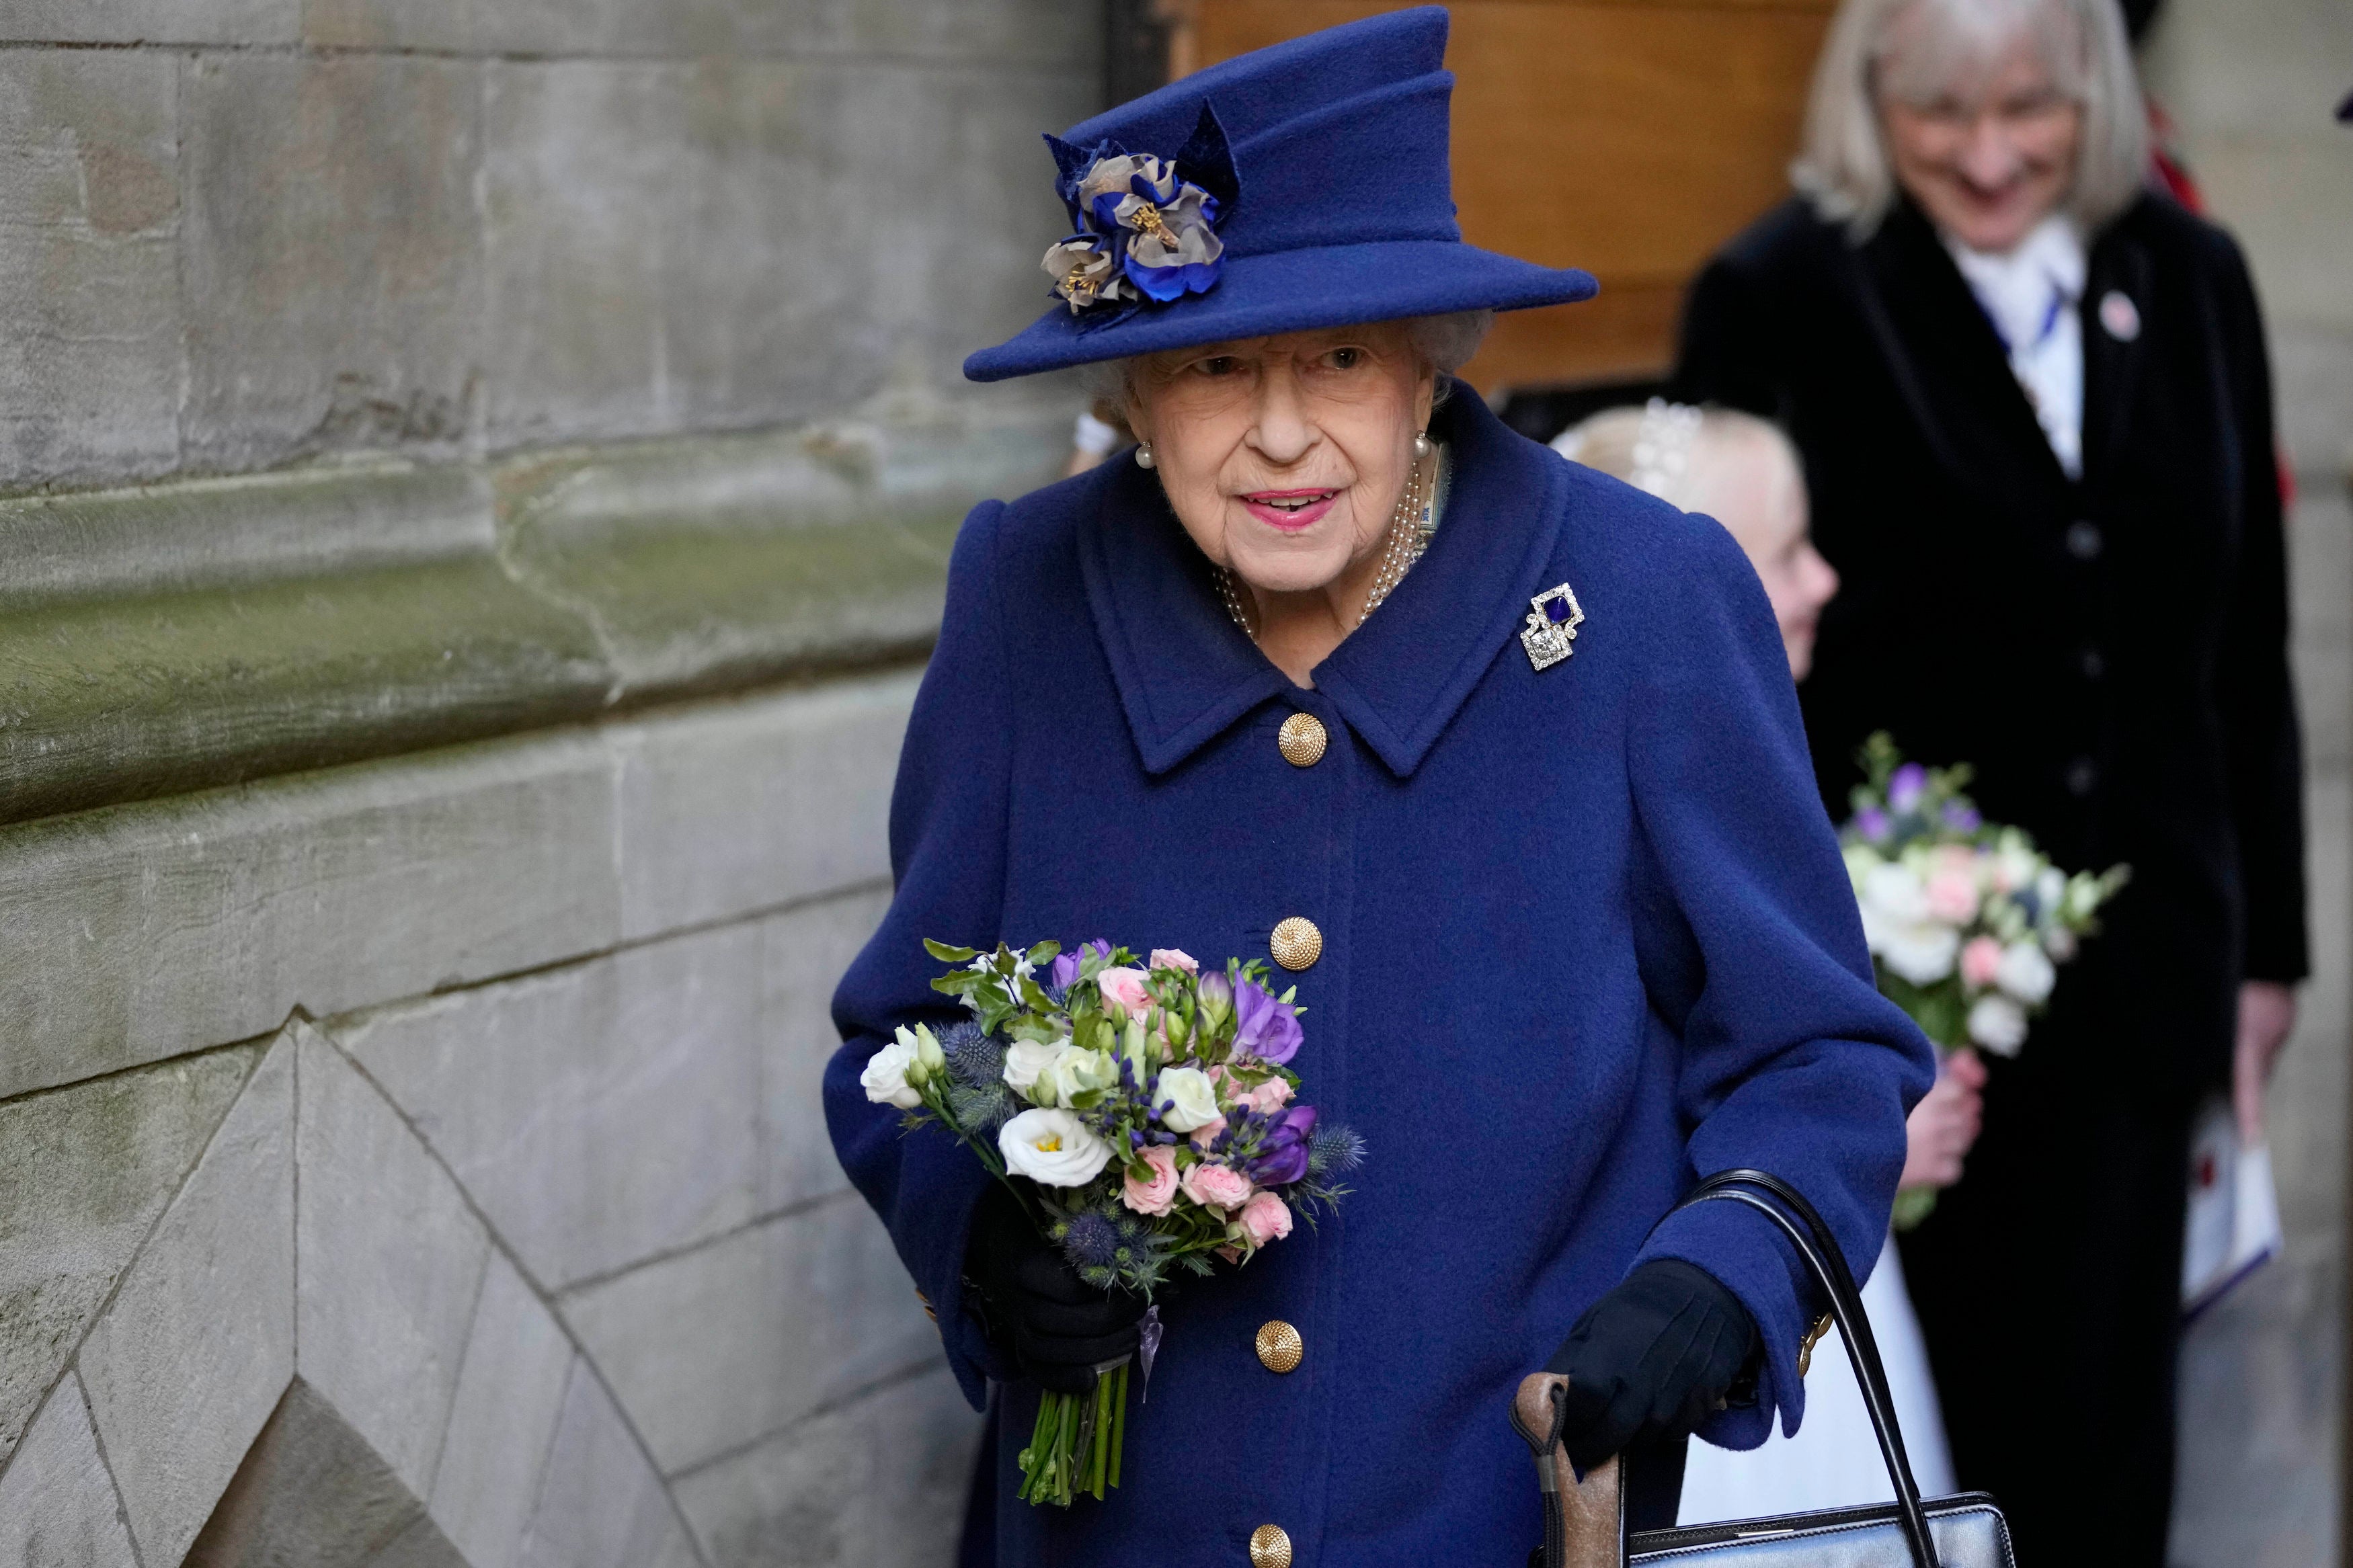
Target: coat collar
{"points": [[1186, 673], [1949, 362]]}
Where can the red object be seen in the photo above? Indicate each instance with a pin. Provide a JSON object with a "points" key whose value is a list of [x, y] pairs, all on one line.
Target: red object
{"points": [[2167, 164], [2176, 178]]}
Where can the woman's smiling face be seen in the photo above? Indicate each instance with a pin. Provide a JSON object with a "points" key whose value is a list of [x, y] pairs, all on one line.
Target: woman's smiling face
{"points": [[1989, 154], [1285, 456]]}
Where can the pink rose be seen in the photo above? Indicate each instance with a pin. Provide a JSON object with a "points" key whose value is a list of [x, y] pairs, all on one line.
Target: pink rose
{"points": [[1124, 988], [1217, 1186], [1155, 1196], [1270, 1097], [1952, 897], [1173, 958], [1979, 959], [1207, 1133], [1263, 1219]]}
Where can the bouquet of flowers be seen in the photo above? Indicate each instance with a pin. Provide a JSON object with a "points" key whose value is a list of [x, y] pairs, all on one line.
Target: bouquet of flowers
{"points": [[1966, 920], [1146, 1116]]}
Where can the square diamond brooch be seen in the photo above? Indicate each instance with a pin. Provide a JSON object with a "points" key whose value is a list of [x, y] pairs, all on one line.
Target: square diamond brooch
{"points": [[1551, 634]]}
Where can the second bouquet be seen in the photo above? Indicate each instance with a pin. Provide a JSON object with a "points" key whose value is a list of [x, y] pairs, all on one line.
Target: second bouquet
{"points": [[1147, 1116]]}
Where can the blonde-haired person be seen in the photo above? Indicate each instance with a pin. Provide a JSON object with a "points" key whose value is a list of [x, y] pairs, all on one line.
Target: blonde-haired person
{"points": [[1743, 472], [1737, 469], [2035, 413]]}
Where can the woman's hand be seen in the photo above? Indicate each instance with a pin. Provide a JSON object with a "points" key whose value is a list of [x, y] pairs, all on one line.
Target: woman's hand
{"points": [[1938, 1134], [1059, 1327], [1652, 1360], [2266, 1016]]}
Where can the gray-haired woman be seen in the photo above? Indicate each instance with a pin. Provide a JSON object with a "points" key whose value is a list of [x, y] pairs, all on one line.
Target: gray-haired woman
{"points": [[2035, 412]]}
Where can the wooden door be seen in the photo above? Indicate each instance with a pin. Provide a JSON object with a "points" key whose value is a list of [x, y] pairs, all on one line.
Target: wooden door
{"points": [[1627, 137]]}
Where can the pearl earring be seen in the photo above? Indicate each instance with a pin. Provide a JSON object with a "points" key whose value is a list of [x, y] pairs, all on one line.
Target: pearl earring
{"points": [[1143, 459], [1421, 444]]}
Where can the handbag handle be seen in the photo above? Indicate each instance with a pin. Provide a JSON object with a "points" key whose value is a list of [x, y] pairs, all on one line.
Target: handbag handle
{"points": [[1583, 1516]]}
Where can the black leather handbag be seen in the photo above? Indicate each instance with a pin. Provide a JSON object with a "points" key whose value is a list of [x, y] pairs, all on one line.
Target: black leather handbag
{"points": [[1585, 1525]]}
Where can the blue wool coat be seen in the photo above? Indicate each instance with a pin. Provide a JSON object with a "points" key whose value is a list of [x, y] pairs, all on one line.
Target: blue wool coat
{"points": [[1586, 935]]}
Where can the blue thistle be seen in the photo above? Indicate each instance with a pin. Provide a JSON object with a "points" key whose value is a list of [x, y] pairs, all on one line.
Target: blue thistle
{"points": [[975, 1059], [1092, 1241], [1332, 1151], [983, 1109]]}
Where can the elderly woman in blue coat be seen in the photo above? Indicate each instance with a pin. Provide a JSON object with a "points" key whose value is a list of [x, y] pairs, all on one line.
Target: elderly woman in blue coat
{"points": [[1497, 756]]}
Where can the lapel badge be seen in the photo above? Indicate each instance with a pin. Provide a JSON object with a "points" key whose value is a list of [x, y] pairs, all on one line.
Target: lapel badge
{"points": [[1553, 619], [2119, 315]]}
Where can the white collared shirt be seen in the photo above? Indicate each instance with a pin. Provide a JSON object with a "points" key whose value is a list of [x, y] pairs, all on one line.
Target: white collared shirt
{"points": [[2030, 296]]}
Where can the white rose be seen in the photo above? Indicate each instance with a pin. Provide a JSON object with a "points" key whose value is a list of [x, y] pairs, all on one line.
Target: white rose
{"points": [[2025, 972], [1190, 1097], [1919, 951], [1053, 1148], [1894, 893], [2060, 943], [1073, 1071], [1025, 1059], [1999, 1024], [885, 1078]]}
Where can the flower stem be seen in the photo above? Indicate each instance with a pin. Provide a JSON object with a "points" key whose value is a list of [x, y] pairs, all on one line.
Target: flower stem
{"points": [[1913, 1204], [1052, 1469], [1102, 1438], [1118, 1422]]}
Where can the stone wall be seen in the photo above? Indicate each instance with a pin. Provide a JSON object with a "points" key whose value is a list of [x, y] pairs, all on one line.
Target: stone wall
{"points": [[272, 229], [2251, 84], [516, 1172], [475, 487]]}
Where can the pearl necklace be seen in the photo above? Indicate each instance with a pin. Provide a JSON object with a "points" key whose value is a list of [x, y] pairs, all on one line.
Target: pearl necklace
{"points": [[1410, 529]]}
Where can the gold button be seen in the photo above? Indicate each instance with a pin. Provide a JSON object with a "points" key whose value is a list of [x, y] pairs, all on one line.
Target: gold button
{"points": [[1296, 942], [1270, 1547], [1279, 1347], [1301, 741]]}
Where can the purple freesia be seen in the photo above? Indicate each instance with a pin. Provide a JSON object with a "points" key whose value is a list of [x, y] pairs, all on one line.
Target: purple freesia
{"points": [[1282, 1155], [1064, 972], [1905, 788], [1961, 818], [1871, 822], [1280, 1167], [1266, 1028]]}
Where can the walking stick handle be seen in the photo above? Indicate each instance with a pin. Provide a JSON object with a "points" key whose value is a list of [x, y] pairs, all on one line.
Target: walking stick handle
{"points": [[1584, 1519]]}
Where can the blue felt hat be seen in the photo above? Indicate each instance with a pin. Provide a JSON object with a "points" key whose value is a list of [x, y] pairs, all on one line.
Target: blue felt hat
{"points": [[1301, 186]]}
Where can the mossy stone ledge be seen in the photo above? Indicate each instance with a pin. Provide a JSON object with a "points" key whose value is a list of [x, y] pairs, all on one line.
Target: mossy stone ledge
{"points": [[183, 635]]}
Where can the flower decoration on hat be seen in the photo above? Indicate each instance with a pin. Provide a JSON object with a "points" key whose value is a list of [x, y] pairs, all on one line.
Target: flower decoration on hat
{"points": [[1145, 227]]}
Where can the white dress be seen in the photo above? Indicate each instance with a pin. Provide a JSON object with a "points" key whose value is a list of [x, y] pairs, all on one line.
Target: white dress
{"points": [[1833, 1462]]}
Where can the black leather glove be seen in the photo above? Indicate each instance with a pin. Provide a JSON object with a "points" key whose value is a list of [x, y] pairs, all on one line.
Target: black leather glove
{"points": [[1059, 1327], [1652, 1360]]}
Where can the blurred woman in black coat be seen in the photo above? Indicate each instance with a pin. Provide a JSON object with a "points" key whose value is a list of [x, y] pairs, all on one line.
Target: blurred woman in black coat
{"points": [[2035, 412]]}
